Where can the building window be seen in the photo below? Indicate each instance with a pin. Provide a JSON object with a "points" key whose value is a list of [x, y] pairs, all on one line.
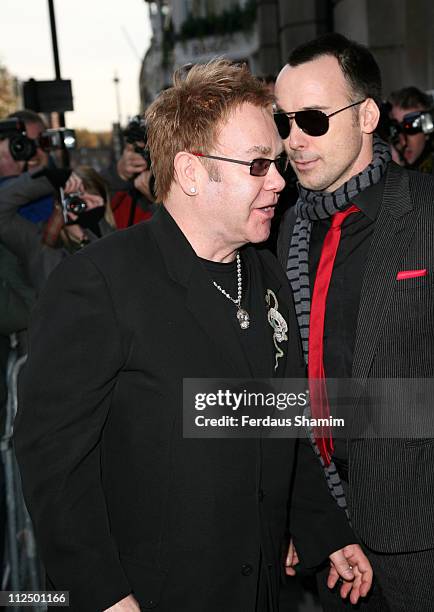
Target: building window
{"points": [[210, 7]]}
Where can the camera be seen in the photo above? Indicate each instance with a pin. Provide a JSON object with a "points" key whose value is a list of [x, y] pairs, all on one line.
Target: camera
{"points": [[418, 121], [136, 132], [413, 123], [21, 147], [57, 139], [72, 203]]}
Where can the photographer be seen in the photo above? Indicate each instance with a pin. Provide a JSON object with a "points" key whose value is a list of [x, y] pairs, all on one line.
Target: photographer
{"points": [[411, 115], [75, 220], [18, 150], [21, 150], [35, 126], [131, 182]]}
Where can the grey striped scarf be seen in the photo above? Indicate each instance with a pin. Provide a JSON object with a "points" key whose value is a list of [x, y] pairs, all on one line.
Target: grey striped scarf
{"points": [[312, 206]]}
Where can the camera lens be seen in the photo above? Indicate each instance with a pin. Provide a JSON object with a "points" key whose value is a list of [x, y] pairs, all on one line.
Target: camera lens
{"points": [[74, 204], [22, 148]]}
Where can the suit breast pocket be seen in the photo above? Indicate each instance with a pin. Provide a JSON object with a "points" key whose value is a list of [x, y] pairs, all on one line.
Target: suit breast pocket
{"points": [[416, 282]]}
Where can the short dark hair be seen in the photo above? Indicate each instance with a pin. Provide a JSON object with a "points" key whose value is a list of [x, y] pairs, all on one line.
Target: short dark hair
{"points": [[356, 62], [27, 116], [410, 97]]}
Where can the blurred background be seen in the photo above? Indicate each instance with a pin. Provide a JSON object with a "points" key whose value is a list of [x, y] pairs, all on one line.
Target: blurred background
{"points": [[119, 55], [93, 66]]}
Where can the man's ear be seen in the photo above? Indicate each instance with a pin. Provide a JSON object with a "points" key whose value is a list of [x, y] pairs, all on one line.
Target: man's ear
{"points": [[369, 116], [188, 172]]}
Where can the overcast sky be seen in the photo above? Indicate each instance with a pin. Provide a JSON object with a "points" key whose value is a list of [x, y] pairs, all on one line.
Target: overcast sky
{"points": [[93, 38]]}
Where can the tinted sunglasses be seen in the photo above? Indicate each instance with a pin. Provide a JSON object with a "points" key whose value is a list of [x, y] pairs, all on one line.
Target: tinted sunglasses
{"points": [[258, 166], [312, 122]]}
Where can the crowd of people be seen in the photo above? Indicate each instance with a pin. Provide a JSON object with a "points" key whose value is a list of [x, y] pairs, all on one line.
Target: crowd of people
{"points": [[114, 489]]}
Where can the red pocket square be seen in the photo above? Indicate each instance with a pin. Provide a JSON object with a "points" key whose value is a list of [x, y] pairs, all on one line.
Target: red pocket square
{"points": [[404, 274]]}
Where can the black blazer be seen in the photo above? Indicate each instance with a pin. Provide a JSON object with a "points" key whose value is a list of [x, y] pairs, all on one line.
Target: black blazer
{"points": [[120, 500], [392, 481]]}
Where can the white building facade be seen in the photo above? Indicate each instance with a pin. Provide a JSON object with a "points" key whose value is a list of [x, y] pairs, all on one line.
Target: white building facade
{"points": [[263, 33], [188, 31]]}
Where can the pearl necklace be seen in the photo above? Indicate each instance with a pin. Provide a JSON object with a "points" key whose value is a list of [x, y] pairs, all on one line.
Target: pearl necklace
{"points": [[242, 315]]}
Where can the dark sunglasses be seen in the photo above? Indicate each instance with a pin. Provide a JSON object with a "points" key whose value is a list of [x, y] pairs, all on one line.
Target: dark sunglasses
{"points": [[258, 166], [312, 122]]}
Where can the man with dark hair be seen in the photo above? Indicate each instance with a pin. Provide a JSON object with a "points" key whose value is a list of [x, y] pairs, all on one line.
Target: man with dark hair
{"points": [[359, 255], [34, 128], [40, 209], [412, 113]]}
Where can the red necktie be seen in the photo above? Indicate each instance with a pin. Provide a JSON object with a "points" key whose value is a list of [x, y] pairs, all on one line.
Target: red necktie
{"points": [[317, 385]]}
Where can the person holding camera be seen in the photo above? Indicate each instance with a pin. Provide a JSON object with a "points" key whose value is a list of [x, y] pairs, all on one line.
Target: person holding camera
{"points": [[18, 150], [81, 215], [35, 127], [131, 182], [411, 129], [17, 154]]}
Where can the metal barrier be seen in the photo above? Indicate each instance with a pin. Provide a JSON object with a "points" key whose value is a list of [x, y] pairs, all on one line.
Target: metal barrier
{"points": [[22, 570]]}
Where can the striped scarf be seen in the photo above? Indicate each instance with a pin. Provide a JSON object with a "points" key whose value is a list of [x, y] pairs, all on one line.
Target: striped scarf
{"points": [[313, 206]]}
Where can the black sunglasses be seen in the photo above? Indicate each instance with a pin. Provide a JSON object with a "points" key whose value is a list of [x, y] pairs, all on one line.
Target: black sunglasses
{"points": [[258, 166], [312, 122]]}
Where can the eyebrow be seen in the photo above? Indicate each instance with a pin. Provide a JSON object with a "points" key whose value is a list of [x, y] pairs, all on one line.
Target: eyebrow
{"points": [[304, 108], [259, 149], [315, 107]]}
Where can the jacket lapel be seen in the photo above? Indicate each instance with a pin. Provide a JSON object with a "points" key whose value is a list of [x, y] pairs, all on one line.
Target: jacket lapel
{"points": [[394, 229]]}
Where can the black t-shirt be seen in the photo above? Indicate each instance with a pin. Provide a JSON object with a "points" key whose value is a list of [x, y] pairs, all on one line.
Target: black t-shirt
{"points": [[259, 357]]}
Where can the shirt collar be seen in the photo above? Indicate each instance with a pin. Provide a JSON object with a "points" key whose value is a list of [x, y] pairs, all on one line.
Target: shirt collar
{"points": [[369, 200]]}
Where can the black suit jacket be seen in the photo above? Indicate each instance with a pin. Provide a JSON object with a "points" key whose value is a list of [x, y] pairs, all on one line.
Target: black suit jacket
{"points": [[392, 481], [120, 500]]}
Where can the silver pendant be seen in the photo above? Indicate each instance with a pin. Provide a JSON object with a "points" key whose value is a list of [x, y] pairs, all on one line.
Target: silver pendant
{"points": [[243, 318]]}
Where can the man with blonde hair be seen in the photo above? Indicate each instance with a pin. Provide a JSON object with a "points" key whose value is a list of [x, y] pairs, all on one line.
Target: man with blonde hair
{"points": [[128, 513]]}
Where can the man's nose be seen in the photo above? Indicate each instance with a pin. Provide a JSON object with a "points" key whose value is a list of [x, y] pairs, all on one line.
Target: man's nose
{"points": [[297, 139], [403, 139], [274, 180]]}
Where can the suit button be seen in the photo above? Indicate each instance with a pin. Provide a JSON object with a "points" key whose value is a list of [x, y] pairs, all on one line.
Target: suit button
{"points": [[261, 495], [246, 569]]}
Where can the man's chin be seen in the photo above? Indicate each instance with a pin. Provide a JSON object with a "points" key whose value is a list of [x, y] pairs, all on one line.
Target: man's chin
{"points": [[311, 185], [259, 237]]}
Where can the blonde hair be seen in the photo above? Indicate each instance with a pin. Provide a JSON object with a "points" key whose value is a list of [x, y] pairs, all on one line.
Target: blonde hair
{"points": [[94, 183], [189, 115]]}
